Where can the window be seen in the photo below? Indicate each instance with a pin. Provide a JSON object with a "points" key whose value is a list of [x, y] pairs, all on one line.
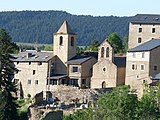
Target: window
{"points": [[34, 72], [61, 41], [39, 63], [36, 82], [143, 55], [16, 81], [142, 67], [29, 82], [83, 81], [102, 52], [107, 52], [139, 40], [134, 55], [144, 81], [29, 63], [153, 30], [140, 30], [104, 69], [72, 41], [53, 82], [155, 67], [133, 67], [75, 69]]}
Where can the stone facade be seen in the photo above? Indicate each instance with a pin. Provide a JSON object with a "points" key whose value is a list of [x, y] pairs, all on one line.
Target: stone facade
{"points": [[32, 75], [136, 37], [140, 68], [84, 73], [106, 73]]}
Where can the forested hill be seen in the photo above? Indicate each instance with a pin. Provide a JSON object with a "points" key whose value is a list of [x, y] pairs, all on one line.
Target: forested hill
{"points": [[39, 26]]}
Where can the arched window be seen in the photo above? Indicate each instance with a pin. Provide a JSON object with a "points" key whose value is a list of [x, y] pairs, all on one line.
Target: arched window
{"points": [[61, 41], [72, 41], [107, 52], [102, 52]]}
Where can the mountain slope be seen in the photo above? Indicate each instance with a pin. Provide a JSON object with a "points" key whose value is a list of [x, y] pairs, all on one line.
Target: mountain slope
{"points": [[39, 26]]}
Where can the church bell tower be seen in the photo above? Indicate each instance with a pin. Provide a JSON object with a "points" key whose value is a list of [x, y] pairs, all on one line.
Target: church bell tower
{"points": [[65, 43]]}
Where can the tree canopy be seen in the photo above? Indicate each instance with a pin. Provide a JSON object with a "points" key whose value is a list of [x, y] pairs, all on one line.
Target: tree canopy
{"points": [[122, 104], [116, 42]]}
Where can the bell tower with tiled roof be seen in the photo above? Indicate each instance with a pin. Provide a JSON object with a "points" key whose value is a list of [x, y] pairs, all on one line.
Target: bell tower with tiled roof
{"points": [[65, 43]]}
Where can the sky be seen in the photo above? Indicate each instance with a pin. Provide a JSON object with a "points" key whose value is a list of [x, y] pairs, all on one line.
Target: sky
{"points": [[86, 7]]}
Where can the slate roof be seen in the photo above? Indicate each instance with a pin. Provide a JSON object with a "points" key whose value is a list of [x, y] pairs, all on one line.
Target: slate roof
{"points": [[65, 29], [147, 46], [34, 56], [120, 61], [156, 77], [78, 59], [146, 19]]}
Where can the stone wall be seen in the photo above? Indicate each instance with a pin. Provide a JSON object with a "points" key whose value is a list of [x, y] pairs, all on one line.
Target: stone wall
{"points": [[66, 94]]}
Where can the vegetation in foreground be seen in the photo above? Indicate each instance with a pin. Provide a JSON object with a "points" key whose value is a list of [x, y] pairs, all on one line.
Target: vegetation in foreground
{"points": [[8, 105], [122, 104]]}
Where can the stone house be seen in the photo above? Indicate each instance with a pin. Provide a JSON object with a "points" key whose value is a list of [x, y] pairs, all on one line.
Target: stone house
{"points": [[142, 64], [80, 70], [33, 70], [143, 28], [109, 71]]}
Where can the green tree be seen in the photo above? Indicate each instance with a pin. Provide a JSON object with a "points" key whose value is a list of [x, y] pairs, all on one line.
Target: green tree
{"points": [[125, 43], [116, 42], [120, 104], [7, 87], [148, 105], [94, 46]]}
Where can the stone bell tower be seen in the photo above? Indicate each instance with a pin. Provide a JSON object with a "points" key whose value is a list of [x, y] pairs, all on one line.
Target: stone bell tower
{"points": [[65, 43]]}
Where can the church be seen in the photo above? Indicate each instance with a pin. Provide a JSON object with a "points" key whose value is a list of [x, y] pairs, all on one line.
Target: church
{"points": [[44, 71]]}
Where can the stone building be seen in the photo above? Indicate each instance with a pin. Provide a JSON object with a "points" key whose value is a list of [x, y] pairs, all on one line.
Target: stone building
{"points": [[143, 28], [109, 71], [33, 70], [80, 70], [42, 71], [143, 64]]}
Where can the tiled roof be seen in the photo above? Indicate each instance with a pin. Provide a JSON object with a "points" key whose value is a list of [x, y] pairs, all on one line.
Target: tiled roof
{"points": [[32, 56], [78, 59], [120, 61], [147, 46], [146, 18], [65, 29]]}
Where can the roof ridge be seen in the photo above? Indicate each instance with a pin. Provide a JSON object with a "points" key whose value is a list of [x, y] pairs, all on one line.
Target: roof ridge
{"points": [[65, 28]]}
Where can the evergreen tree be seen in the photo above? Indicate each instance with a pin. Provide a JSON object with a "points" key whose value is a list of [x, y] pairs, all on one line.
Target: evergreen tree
{"points": [[7, 88], [116, 42]]}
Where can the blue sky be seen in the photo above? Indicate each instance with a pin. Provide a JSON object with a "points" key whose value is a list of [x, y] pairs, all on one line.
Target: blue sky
{"points": [[86, 7]]}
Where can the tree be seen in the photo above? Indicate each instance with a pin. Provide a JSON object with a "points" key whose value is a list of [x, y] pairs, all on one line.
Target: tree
{"points": [[94, 46], [120, 104], [116, 42], [125, 43], [7, 87]]}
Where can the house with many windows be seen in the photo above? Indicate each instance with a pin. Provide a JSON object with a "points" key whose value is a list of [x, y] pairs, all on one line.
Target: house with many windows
{"points": [[143, 28], [143, 64]]}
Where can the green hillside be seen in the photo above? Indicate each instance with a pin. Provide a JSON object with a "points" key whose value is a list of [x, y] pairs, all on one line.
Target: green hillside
{"points": [[39, 26]]}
